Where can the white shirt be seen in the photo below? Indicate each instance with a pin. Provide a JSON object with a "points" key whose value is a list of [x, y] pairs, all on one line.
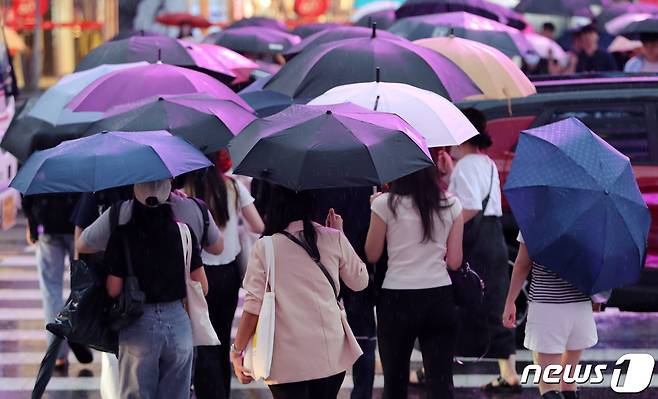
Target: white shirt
{"points": [[412, 263], [470, 182], [230, 232]]}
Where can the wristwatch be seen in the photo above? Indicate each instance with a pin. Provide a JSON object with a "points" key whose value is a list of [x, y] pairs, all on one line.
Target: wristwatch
{"points": [[234, 349]]}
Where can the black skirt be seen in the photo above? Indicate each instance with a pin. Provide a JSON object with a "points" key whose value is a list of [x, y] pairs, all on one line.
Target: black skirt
{"points": [[482, 333]]}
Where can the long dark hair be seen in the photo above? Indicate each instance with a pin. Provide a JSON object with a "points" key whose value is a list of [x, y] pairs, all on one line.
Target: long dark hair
{"points": [[287, 206], [210, 186], [427, 196]]}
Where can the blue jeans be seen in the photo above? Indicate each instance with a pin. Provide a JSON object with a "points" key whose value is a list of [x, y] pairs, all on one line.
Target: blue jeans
{"points": [[155, 354], [51, 251]]}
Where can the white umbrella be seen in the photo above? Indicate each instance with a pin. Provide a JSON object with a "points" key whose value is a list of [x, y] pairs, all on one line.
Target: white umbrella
{"points": [[372, 8], [622, 45], [437, 119], [615, 25], [546, 47], [50, 106]]}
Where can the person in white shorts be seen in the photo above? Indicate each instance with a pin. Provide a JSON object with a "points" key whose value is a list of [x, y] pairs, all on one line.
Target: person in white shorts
{"points": [[560, 320]]}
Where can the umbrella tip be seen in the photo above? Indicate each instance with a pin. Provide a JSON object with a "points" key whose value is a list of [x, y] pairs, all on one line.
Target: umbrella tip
{"points": [[377, 74], [374, 30], [451, 33], [329, 112], [104, 132]]}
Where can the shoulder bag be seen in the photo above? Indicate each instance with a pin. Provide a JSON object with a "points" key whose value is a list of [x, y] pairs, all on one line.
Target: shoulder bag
{"points": [[130, 304], [260, 348], [472, 227], [203, 332]]}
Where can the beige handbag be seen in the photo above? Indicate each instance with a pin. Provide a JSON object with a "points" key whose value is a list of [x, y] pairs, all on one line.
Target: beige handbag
{"points": [[203, 333]]}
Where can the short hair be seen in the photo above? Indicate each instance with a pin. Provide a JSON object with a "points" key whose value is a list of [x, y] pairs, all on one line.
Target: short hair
{"points": [[548, 26], [649, 37], [586, 29]]}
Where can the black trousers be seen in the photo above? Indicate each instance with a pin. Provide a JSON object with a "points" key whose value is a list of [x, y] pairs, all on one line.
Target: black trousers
{"points": [[212, 373], [424, 314], [360, 309], [322, 388]]}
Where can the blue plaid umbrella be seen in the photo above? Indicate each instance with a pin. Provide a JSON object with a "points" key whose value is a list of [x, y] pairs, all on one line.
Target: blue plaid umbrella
{"points": [[578, 206]]}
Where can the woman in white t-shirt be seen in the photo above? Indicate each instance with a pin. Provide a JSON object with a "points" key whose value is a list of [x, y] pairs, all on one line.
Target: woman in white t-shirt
{"points": [[422, 229], [228, 200], [474, 180]]}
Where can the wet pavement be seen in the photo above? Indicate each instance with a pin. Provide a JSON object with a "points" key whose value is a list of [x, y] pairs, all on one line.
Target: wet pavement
{"points": [[22, 344]]}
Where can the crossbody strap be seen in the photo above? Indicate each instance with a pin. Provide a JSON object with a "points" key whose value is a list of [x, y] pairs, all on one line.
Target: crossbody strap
{"points": [[186, 241], [317, 261], [206, 220], [485, 203]]}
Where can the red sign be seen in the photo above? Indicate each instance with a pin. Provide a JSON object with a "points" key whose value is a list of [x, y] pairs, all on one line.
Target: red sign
{"points": [[311, 8], [24, 11]]}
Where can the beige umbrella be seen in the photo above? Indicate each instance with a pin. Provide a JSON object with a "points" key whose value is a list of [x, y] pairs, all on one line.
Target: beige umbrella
{"points": [[492, 71]]}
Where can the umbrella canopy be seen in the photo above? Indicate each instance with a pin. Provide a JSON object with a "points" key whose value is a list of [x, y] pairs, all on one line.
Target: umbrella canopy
{"points": [[493, 72], [547, 48], [374, 7], [183, 18], [261, 22], [206, 122], [635, 29], [482, 8], [346, 32], [312, 147], [106, 160], [578, 206], [306, 30], [127, 34], [383, 19], [254, 39], [319, 69], [617, 24], [510, 41], [568, 8], [508, 16], [267, 102], [153, 49], [437, 119], [622, 45], [129, 85], [615, 9]]}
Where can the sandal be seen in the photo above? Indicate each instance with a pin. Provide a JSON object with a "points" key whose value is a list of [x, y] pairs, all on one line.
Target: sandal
{"points": [[500, 385], [420, 377]]}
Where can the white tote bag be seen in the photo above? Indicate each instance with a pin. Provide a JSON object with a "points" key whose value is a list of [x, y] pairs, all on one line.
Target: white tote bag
{"points": [[258, 353], [203, 334]]}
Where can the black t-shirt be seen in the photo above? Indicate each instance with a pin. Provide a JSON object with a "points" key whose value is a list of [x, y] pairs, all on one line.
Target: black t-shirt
{"points": [[157, 262], [600, 61]]}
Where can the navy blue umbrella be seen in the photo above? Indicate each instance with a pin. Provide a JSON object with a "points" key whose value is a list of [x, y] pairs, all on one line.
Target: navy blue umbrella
{"points": [[268, 102], [578, 206], [106, 160]]}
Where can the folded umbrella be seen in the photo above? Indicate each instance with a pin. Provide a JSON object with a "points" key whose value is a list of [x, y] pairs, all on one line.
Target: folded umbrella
{"points": [[254, 39], [493, 72], [205, 122], [334, 35], [319, 69], [153, 49], [509, 40], [106, 160], [310, 147], [437, 119], [578, 206], [306, 30], [261, 22], [125, 86], [636, 29], [383, 19]]}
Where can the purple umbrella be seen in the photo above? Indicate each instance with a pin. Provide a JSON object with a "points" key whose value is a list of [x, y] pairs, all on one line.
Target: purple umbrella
{"points": [[262, 22], [611, 11], [319, 69], [327, 146], [383, 18], [253, 39], [133, 84], [328, 36], [306, 30], [568, 8], [482, 8]]}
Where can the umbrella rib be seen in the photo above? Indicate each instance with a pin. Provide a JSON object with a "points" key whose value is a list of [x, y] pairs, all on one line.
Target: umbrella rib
{"points": [[379, 178]]}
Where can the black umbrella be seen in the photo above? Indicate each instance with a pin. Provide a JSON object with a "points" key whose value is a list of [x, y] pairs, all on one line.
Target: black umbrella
{"points": [[328, 36], [206, 122], [482, 8], [262, 22], [319, 69], [46, 368], [568, 8], [306, 30], [267, 102], [254, 39], [127, 34], [636, 29], [309, 147], [383, 18]]}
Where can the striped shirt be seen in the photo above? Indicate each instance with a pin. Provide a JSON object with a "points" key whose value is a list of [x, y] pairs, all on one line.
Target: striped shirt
{"points": [[547, 287]]}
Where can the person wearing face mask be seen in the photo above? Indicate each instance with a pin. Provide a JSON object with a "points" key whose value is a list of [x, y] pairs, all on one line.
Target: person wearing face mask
{"points": [[647, 61], [474, 180]]}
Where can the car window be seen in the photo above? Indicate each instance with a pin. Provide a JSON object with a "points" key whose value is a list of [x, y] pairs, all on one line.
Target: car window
{"points": [[625, 127]]}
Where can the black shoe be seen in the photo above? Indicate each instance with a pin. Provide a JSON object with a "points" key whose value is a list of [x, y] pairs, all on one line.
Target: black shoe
{"points": [[82, 353], [553, 395], [502, 386], [571, 394]]}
